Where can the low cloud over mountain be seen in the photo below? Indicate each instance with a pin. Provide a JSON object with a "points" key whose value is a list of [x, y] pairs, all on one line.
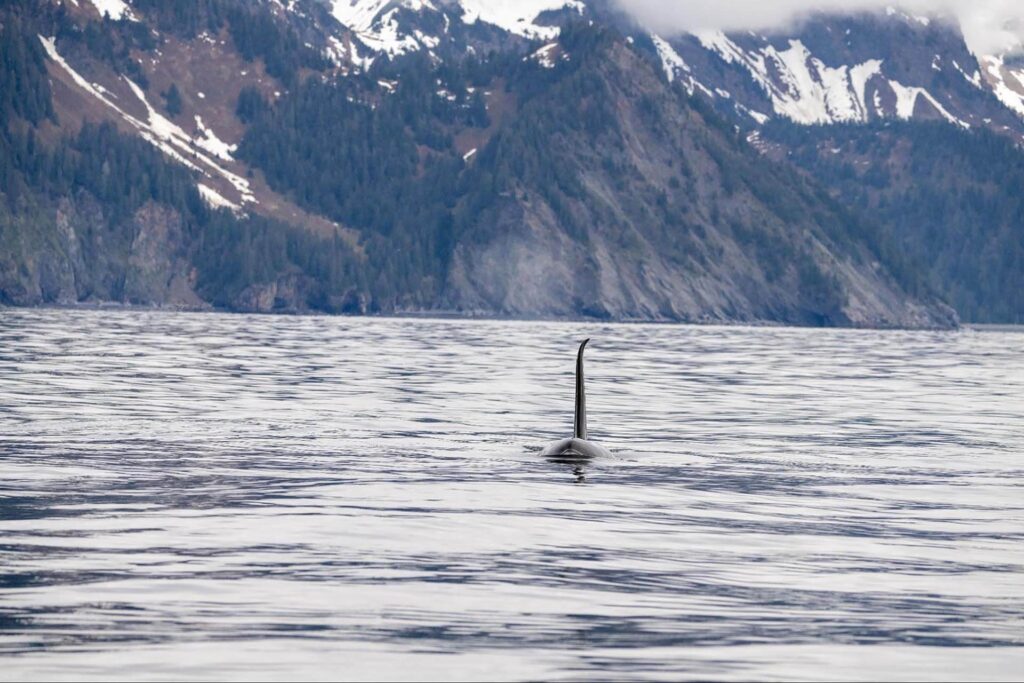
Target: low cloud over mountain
{"points": [[990, 26]]}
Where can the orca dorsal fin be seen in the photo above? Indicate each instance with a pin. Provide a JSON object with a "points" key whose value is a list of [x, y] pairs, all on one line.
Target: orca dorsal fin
{"points": [[580, 421]]}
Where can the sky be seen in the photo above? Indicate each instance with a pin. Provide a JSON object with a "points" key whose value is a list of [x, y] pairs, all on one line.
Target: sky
{"points": [[990, 26]]}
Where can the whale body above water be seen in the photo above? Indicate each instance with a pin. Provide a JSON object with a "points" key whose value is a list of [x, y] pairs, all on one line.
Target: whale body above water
{"points": [[578, 445]]}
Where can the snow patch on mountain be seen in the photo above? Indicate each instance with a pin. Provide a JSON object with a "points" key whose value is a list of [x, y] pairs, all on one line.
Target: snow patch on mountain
{"points": [[517, 17], [916, 18], [756, 115], [376, 22], [906, 102], [805, 90], [209, 141], [378, 29], [168, 134], [801, 87], [974, 78], [674, 65], [342, 53], [545, 55], [718, 42], [358, 15], [214, 199], [1007, 83], [859, 77], [812, 92], [116, 9], [158, 130], [671, 62]]}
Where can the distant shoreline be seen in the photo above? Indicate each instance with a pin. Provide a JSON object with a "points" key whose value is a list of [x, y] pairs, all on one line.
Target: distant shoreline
{"points": [[993, 327], [451, 315]]}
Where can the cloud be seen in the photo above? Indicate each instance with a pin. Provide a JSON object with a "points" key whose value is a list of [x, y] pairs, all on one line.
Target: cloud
{"points": [[988, 25]]}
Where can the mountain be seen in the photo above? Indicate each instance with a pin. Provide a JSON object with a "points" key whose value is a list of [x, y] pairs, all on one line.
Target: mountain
{"points": [[832, 68], [898, 119], [952, 199], [533, 159], [857, 68]]}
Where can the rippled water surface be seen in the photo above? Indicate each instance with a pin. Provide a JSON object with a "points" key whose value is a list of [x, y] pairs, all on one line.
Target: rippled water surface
{"points": [[201, 495]]}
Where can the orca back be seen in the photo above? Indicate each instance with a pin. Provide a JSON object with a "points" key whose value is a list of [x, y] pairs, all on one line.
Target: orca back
{"points": [[577, 447]]}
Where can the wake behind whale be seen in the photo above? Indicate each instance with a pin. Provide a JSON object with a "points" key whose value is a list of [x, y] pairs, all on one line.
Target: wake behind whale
{"points": [[578, 446]]}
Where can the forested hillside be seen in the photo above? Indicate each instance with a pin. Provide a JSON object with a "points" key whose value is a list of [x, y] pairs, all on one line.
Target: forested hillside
{"points": [[590, 200], [952, 198], [101, 216], [252, 156]]}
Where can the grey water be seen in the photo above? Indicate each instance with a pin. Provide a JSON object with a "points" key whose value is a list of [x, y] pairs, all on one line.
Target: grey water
{"points": [[188, 496]]}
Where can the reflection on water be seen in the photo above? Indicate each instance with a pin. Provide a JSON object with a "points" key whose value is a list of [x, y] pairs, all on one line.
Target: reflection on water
{"points": [[260, 497]]}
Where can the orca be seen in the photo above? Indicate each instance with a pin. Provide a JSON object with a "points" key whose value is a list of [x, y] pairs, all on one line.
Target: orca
{"points": [[577, 447]]}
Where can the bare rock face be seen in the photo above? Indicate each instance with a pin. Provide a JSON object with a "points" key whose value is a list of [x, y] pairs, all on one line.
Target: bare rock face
{"points": [[681, 225], [529, 269], [74, 255], [66, 271], [158, 272], [92, 249], [257, 298], [47, 262], [597, 189], [16, 284], [285, 294]]}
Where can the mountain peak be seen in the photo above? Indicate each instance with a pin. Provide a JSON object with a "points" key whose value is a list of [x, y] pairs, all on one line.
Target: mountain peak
{"points": [[390, 26], [514, 159]]}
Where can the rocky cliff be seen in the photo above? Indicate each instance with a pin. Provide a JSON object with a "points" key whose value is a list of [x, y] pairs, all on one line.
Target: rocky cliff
{"points": [[365, 157], [668, 218]]}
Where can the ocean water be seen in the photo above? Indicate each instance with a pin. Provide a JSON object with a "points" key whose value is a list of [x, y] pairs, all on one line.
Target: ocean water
{"points": [[253, 497]]}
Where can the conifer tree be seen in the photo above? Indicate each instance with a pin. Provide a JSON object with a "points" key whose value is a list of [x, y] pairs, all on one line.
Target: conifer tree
{"points": [[172, 98]]}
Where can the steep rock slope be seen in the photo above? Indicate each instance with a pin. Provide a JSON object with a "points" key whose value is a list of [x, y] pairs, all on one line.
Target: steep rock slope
{"points": [[847, 69], [653, 209], [832, 68], [452, 155], [93, 214], [951, 196]]}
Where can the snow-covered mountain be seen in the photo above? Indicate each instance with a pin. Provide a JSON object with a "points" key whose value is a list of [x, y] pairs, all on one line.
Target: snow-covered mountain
{"points": [[850, 69], [832, 69], [538, 157], [1005, 76], [379, 23]]}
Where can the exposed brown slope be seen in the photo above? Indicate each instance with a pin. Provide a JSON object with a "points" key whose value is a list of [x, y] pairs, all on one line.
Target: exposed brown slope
{"points": [[209, 75]]}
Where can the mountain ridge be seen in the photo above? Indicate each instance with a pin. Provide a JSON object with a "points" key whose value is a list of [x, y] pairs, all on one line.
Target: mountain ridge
{"points": [[396, 162]]}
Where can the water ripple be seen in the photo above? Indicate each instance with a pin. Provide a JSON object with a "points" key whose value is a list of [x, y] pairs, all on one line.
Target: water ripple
{"points": [[191, 496]]}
